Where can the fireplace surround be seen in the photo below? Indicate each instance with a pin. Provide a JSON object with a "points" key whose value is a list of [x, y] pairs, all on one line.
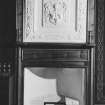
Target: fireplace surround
{"points": [[55, 46], [55, 73]]}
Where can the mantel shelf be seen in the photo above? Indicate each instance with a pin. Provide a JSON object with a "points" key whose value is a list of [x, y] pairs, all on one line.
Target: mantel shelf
{"points": [[56, 45]]}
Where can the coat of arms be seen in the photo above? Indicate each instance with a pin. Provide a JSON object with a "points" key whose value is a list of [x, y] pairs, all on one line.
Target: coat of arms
{"points": [[54, 11]]}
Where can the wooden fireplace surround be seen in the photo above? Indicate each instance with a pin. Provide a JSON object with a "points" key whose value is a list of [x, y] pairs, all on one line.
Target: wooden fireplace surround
{"points": [[51, 56]]}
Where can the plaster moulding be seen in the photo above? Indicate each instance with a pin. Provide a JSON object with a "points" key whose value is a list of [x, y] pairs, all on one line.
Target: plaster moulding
{"points": [[60, 21]]}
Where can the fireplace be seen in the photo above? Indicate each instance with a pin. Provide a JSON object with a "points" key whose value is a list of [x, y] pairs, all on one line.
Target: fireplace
{"points": [[54, 76], [55, 48]]}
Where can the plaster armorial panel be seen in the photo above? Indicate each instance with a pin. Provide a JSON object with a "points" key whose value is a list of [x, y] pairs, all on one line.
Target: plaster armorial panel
{"points": [[55, 21], [55, 12]]}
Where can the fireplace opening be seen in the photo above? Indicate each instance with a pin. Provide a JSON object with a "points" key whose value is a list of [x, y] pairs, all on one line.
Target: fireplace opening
{"points": [[54, 86]]}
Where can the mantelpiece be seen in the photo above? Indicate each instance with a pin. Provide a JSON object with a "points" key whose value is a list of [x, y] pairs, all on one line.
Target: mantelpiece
{"points": [[84, 49], [56, 34]]}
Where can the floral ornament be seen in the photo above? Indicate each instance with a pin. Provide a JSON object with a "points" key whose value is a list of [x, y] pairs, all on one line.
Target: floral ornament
{"points": [[55, 11]]}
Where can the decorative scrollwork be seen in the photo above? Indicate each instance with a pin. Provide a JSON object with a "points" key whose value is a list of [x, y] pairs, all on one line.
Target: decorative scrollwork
{"points": [[29, 18]]}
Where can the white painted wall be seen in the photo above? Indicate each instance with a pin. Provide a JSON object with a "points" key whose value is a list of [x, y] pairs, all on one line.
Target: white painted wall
{"points": [[47, 84]]}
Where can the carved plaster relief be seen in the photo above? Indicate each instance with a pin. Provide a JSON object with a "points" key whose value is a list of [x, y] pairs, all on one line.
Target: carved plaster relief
{"points": [[28, 20], [54, 11]]}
